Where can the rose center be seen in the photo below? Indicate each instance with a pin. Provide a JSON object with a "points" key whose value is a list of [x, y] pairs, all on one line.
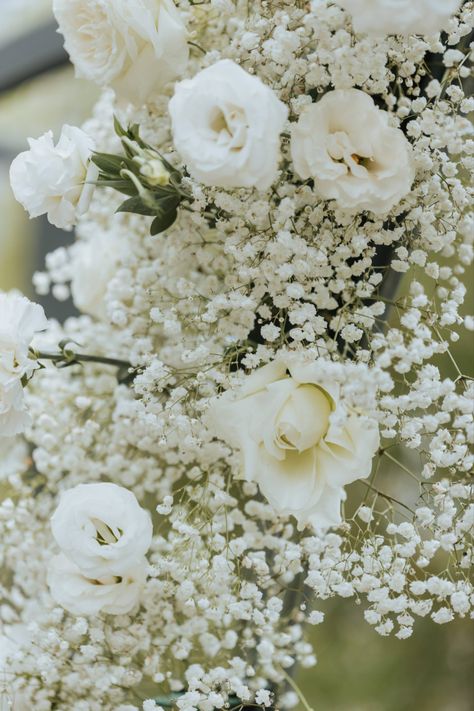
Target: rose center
{"points": [[304, 419]]}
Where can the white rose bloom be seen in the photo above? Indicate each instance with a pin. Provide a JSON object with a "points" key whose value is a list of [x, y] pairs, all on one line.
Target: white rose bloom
{"points": [[95, 264], [226, 126], [400, 17], [346, 144], [20, 319], [102, 529], [297, 439], [135, 47], [80, 595], [56, 180]]}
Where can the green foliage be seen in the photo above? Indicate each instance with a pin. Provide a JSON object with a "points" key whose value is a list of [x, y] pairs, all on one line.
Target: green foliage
{"points": [[125, 173]]}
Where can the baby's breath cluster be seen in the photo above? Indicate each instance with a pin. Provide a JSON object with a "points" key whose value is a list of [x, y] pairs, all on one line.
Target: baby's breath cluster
{"points": [[271, 375]]}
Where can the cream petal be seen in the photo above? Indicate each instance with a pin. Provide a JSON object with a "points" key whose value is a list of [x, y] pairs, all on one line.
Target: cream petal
{"points": [[292, 484], [327, 511], [304, 419], [351, 456]]}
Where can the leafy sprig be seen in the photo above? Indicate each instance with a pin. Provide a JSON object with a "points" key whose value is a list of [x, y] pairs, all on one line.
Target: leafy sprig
{"points": [[152, 184]]}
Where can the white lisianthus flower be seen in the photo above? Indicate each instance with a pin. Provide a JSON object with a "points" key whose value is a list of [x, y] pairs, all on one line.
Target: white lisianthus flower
{"points": [[298, 441], [95, 263], [102, 529], [134, 47], [56, 180], [400, 17], [346, 144], [20, 319], [80, 595], [226, 126]]}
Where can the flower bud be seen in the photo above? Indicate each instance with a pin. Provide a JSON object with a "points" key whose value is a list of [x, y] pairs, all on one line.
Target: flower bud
{"points": [[155, 172]]}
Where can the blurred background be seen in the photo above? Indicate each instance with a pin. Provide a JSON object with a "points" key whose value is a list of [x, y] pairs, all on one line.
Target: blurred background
{"points": [[357, 669]]}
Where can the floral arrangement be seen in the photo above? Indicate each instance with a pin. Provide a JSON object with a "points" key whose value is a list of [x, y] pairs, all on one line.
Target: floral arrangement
{"points": [[247, 415]]}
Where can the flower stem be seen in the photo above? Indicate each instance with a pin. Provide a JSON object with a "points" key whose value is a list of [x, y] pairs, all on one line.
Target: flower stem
{"points": [[296, 689], [70, 358]]}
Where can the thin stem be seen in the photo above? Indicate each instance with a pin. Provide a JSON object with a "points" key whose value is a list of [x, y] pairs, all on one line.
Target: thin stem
{"points": [[296, 689], [387, 497], [402, 466], [72, 357]]}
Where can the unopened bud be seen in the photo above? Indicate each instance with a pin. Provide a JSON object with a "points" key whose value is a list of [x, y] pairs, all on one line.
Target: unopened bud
{"points": [[155, 172]]}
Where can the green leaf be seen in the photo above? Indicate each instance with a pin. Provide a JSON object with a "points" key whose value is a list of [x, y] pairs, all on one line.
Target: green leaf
{"points": [[119, 129], [110, 164], [107, 162], [122, 186], [136, 205], [134, 132], [163, 222]]}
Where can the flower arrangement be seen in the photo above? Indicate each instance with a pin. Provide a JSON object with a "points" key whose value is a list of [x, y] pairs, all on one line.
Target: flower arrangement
{"points": [[248, 415]]}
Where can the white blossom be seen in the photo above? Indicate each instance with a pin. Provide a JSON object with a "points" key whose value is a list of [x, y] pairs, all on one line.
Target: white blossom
{"points": [[226, 126], [297, 438], [102, 529], [20, 319], [136, 48], [56, 180], [384, 17], [347, 145], [80, 595]]}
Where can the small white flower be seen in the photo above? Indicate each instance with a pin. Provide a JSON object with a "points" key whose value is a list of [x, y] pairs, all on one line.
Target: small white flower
{"points": [[345, 143], [55, 180], [226, 125], [80, 595], [297, 439], [400, 17], [102, 529], [134, 47]]}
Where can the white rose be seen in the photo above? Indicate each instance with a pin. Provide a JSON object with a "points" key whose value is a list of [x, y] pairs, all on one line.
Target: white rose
{"points": [[226, 126], [346, 144], [102, 529], [55, 180], [80, 595], [134, 46], [297, 439], [95, 264], [400, 17]]}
